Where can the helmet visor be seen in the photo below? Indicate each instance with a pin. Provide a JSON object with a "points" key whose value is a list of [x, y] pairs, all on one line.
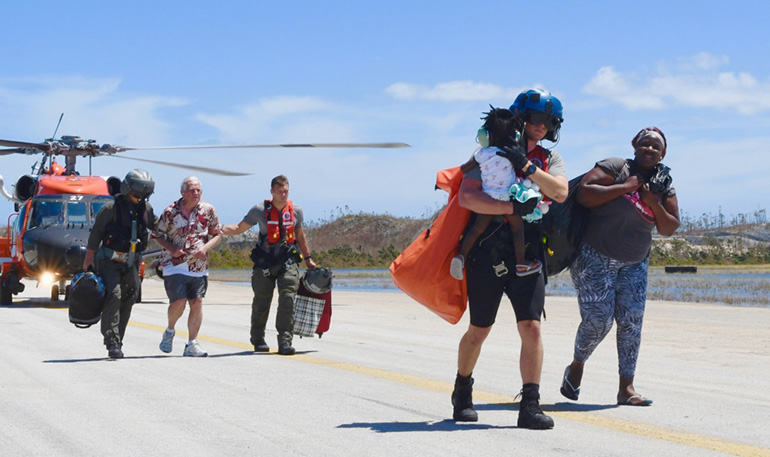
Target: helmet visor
{"points": [[538, 117]]}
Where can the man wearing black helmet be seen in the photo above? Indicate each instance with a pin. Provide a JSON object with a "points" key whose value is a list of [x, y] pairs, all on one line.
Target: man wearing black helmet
{"points": [[117, 239], [491, 263]]}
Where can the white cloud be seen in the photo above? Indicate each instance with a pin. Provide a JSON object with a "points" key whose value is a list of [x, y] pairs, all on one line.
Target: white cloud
{"points": [[695, 84], [93, 108], [451, 91], [282, 119], [702, 61], [622, 89]]}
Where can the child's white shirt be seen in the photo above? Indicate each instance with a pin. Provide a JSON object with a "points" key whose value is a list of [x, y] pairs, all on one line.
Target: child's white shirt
{"points": [[497, 174]]}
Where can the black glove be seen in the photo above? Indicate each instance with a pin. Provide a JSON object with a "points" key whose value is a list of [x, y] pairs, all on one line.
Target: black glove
{"points": [[515, 154], [661, 180], [522, 209]]}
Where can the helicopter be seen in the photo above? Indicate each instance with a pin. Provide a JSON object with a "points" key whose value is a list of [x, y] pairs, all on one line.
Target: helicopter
{"points": [[55, 207]]}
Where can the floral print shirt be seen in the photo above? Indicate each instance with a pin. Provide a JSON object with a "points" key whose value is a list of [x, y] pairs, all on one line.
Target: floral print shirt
{"points": [[187, 232]]}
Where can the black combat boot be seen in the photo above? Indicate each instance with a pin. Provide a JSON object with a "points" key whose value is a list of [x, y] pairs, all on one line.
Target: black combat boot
{"points": [[260, 345], [284, 345], [114, 351], [462, 400], [530, 414]]}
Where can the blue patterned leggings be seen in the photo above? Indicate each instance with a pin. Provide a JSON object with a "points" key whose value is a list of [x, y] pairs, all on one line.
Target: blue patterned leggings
{"points": [[609, 290]]}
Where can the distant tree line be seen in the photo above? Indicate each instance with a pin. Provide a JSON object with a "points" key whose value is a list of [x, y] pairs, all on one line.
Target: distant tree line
{"points": [[714, 251], [709, 221], [666, 251]]}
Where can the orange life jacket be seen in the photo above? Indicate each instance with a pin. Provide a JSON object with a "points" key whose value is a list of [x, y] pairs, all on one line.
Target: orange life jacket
{"points": [[277, 220]]}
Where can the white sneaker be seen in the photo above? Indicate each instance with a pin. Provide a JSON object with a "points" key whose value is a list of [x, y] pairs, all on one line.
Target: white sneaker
{"points": [[194, 350], [456, 267], [167, 342]]}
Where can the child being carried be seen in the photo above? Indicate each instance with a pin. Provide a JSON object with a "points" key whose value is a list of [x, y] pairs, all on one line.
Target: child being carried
{"points": [[497, 177]]}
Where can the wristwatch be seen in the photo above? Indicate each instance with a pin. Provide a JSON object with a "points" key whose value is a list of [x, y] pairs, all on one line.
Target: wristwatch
{"points": [[530, 169]]}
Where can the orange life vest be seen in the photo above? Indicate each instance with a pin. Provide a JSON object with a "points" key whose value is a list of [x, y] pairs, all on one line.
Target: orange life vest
{"points": [[277, 220]]}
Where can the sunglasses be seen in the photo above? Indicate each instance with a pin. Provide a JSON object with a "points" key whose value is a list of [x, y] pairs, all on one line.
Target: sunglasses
{"points": [[539, 117]]}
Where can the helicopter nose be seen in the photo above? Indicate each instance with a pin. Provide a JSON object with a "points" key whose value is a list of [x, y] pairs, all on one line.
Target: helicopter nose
{"points": [[74, 257], [57, 250]]}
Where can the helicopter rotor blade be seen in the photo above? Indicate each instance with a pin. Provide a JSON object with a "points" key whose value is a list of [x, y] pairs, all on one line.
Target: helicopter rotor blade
{"points": [[112, 149], [24, 145], [6, 152], [187, 167]]}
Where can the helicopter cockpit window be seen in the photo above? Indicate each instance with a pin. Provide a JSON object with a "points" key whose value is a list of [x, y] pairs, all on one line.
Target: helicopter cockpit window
{"points": [[77, 212], [96, 204], [47, 212]]}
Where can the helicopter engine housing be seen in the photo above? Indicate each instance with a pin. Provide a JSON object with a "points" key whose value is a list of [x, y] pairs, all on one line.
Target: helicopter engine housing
{"points": [[25, 188], [113, 185]]}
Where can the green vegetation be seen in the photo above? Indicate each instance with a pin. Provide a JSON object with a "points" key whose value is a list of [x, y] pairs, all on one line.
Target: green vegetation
{"points": [[230, 257], [347, 257]]}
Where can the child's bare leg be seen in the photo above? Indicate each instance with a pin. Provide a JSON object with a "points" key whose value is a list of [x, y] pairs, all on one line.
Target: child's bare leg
{"points": [[517, 230], [479, 225], [457, 265]]}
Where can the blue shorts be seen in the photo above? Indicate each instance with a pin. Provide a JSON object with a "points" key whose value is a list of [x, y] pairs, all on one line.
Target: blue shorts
{"points": [[181, 286]]}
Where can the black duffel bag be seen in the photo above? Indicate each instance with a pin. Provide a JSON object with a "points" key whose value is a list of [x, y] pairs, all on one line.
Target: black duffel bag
{"points": [[86, 299]]}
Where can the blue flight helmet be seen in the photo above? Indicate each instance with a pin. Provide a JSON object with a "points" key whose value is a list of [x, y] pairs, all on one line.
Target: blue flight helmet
{"points": [[540, 106]]}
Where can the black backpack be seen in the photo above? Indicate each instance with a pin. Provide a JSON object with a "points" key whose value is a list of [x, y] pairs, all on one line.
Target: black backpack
{"points": [[563, 227], [86, 299]]}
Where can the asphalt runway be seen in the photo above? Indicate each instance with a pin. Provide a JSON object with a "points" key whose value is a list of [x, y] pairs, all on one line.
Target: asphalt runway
{"points": [[377, 384]]}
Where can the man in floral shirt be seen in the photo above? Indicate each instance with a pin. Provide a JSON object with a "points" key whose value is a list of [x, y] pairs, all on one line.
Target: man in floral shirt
{"points": [[187, 230]]}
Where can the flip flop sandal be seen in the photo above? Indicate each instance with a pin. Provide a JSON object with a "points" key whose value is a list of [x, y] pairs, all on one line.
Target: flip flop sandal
{"points": [[567, 389], [642, 401], [526, 270]]}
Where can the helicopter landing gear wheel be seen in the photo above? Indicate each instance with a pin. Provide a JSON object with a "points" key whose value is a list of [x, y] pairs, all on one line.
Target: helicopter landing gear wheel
{"points": [[67, 292], [6, 298], [55, 292]]}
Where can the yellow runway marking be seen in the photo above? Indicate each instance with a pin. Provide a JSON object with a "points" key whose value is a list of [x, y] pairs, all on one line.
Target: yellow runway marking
{"points": [[635, 428]]}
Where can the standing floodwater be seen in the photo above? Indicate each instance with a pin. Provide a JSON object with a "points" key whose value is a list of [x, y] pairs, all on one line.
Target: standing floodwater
{"points": [[732, 286]]}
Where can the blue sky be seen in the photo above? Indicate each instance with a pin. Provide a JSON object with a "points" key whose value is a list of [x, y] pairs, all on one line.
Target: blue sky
{"points": [[166, 73]]}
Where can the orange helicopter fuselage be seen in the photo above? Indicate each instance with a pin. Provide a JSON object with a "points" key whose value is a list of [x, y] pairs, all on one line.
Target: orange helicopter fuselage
{"points": [[22, 239]]}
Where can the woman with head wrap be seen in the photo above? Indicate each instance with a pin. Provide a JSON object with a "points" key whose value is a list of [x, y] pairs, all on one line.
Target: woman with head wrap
{"points": [[626, 199]]}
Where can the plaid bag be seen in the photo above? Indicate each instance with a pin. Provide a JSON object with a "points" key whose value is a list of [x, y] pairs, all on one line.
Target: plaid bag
{"points": [[307, 315]]}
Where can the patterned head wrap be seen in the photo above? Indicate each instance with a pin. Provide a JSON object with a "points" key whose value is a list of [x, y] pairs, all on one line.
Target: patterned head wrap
{"points": [[649, 131]]}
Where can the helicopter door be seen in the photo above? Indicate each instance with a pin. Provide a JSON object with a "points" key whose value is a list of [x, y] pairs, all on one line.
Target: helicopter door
{"points": [[17, 227]]}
